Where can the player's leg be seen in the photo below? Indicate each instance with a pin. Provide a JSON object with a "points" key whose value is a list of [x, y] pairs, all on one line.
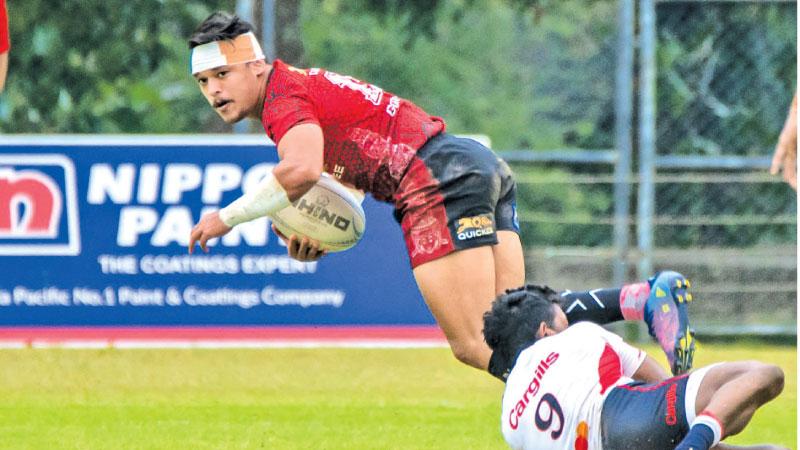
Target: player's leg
{"points": [[661, 302], [509, 262], [509, 258], [446, 205], [721, 400], [458, 289]]}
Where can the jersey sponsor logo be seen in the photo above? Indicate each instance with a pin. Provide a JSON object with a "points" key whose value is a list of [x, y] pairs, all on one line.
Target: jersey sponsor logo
{"points": [[38, 205], [672, 413], [532, 390], [474, 227]]}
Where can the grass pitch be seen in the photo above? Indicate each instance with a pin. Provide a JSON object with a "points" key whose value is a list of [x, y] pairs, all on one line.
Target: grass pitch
{"points": [[285, 399]]}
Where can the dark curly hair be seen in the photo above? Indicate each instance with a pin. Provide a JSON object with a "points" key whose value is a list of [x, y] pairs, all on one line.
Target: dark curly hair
{"points": [[511, 325], [219, 26]]}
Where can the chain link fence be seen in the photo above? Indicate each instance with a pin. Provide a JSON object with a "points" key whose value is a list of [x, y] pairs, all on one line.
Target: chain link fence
{"points": [[725, 79]]}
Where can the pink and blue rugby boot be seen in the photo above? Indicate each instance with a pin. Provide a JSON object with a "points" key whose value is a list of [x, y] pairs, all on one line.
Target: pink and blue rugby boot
{"points": [[667, 318]]}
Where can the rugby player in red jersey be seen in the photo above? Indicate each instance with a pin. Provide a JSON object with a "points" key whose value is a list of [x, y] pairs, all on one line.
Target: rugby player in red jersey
{"points": [[4, 44], [453, 197]]}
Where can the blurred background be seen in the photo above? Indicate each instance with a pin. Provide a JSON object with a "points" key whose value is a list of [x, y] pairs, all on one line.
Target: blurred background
{"points": [[640, 132]]}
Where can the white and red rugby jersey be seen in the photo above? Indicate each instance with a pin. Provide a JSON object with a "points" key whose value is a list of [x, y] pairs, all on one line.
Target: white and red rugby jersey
{"points": [[370, 135], [555, 392]]}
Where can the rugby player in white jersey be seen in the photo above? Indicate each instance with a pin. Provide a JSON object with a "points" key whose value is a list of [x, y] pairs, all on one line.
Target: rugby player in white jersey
{"points": [[581, 387]]}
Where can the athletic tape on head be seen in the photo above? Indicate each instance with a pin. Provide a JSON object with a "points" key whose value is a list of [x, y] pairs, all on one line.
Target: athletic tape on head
{"points": [[243, 48]]}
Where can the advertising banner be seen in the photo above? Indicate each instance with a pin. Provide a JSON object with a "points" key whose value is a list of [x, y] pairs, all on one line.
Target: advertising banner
{"points": [[94, 232]]}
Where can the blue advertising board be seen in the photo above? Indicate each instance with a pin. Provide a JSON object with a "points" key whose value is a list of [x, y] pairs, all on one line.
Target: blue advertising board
{"points": [[94, 232]]}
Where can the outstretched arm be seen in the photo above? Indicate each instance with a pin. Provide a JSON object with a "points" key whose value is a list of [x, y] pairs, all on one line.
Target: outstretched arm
{"points": [[650, 371], [728, 396], [785, 157], [3, 69], [301, 152], [4, 44]]}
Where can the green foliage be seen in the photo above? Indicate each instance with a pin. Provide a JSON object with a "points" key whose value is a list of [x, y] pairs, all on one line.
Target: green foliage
{"points": [[99, 66], [726, 74], [555, 210], [486, 68]]}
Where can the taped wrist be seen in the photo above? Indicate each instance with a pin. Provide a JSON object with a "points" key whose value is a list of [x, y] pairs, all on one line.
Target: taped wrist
{"points": [[267, 198]]}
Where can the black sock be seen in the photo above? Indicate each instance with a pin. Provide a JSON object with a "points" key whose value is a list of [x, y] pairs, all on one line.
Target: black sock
{"points": [[600, 306]]}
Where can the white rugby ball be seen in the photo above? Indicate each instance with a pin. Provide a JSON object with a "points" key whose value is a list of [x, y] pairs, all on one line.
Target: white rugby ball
{"points": [[329, 213]]}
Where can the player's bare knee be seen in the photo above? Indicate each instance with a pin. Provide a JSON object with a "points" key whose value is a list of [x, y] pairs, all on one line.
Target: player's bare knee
{"points": [[774, 380], [770, 379]]}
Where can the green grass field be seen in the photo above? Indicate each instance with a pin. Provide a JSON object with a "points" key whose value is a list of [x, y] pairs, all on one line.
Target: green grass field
{"points": [[284, 399]]}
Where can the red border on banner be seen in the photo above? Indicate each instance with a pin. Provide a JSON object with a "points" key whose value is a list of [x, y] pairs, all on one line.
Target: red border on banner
{"points": [[288, 336]]}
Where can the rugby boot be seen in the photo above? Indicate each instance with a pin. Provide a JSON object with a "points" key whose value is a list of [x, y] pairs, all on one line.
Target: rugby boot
{"points": [[667, 318]]}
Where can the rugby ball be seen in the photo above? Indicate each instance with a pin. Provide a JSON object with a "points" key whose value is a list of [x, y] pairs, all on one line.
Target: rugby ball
{"points": [[329, 213]]}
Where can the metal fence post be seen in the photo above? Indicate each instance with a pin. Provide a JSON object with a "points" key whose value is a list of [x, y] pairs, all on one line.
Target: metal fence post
{"points": [[244, 9], [268, 28], [623, 106], [647, 135]]}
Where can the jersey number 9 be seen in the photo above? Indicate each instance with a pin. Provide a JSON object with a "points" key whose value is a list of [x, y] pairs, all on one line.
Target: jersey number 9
{"points": [[552, 410]]}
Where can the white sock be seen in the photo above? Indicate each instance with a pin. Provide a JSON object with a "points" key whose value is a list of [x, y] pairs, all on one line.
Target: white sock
{"points": [[708, 419]]}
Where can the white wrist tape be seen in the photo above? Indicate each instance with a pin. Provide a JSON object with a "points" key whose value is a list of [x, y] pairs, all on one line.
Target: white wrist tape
{"points": [[265, 199]]}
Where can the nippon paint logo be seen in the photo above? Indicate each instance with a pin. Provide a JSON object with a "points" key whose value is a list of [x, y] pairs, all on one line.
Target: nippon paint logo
{"points": [[38, 205]]}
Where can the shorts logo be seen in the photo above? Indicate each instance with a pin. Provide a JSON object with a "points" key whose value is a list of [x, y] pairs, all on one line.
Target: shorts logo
{"points": [[474, 227], [671, 397], [426, 236], [38, 205]]}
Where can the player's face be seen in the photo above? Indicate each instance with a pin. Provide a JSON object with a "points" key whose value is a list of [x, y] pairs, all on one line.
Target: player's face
{"points": [[231, 90]]}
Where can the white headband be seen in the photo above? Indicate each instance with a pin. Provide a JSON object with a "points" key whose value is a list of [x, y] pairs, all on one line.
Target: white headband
{"points": [[243, 48]]}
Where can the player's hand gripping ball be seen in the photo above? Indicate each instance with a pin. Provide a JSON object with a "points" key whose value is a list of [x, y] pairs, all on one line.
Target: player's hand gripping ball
{"points": [[328, 213]]}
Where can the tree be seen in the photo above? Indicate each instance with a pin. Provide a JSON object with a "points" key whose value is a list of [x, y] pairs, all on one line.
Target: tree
{"points": [[98, 66]]}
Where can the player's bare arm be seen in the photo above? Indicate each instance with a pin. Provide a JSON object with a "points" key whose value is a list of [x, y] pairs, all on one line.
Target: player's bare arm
{"points": [[4, 44], [301, 153], [650, 371], [299, 169], [785, 157], [300, 166], [3, 69]]}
